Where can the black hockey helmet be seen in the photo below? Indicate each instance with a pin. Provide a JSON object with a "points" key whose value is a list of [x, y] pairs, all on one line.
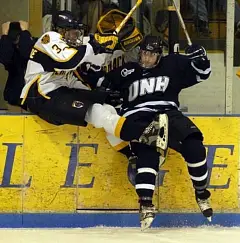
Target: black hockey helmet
{"points": [[72, 30], [152, 43], [152, 47]]}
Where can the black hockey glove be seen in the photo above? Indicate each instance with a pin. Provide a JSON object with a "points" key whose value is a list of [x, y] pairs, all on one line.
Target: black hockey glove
{"points": [[104, 83], [90, 73], [89, 68], [198, 56], [195, 51], [114, 98]]}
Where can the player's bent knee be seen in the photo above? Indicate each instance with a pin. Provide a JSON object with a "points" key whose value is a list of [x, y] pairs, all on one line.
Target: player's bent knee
{"points": [[193, 149], [94, 115], [110, 108]]}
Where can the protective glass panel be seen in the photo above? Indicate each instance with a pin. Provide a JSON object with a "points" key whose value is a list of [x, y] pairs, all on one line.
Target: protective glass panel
{"points": [[206, 25]]}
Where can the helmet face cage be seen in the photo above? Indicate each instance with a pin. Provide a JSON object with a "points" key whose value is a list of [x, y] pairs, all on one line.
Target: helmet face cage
{"points": [[71, 30], [151, 46], [74, 37]]}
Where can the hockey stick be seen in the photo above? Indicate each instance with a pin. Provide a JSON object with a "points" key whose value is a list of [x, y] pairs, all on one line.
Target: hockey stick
{"points": [[182, 23], [118, 29]]}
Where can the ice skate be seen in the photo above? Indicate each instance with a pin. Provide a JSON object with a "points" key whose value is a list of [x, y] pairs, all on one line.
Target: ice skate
{"points": [[156, 134], [202, 198], [147, 215]]}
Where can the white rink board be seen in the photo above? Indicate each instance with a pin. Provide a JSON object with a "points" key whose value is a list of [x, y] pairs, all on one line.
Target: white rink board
{"points": [[120, 235]]}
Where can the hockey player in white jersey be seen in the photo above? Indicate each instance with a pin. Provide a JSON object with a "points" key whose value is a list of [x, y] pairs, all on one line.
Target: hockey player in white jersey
{"points": [[56, 94]]}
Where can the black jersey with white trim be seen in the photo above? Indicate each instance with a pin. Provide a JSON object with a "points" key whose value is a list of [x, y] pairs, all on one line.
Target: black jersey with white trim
{"points": [[153, 89]]}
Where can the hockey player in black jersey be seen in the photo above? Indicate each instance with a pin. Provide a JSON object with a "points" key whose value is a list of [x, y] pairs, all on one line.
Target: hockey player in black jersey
{"points": [[152, 86]]}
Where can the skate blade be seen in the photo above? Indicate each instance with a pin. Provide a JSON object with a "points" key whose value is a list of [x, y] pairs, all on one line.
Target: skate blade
{"points": [[209, 219], [146, 223]]}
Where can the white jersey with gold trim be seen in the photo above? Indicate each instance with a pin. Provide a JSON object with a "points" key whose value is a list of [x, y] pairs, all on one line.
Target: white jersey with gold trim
{"points": [[52, 63]]}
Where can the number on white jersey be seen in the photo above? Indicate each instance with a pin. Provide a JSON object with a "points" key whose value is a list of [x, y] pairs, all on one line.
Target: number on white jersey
{"points": [[52, 45]]}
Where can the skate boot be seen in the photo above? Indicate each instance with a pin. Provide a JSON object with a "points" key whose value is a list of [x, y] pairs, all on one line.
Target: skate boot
{"points": [[147, 215], [202, 198], [156, 134]]}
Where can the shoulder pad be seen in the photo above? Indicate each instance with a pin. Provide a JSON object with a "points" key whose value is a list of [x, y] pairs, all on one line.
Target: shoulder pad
{"points": [[53, 45]]}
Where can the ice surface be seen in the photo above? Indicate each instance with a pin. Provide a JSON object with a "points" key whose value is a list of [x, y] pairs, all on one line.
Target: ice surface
{"points": [[122, 235]]}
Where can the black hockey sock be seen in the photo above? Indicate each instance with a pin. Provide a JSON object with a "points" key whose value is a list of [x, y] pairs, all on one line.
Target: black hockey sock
{"points": [[126, 151], [194, 153], [145, 201], [147, 168], [203, 194]]}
